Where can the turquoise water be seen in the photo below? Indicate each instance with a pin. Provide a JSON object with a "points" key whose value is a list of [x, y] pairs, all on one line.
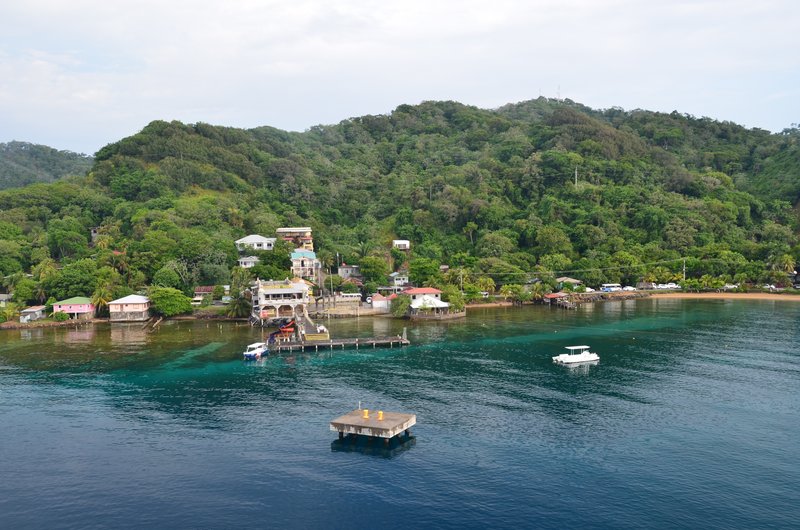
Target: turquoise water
{"points": [[690, 420]]}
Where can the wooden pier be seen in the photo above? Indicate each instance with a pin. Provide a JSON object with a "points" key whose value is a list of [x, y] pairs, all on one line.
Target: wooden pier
{"points": [[373, 423], [316, 345]]}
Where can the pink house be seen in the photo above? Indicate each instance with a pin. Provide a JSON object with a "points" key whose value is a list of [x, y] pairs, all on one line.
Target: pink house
{"points": [[78, 307]]}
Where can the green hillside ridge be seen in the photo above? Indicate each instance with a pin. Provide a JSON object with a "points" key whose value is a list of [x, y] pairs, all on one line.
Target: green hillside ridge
{"points": [[23, 163], [491, 193]]}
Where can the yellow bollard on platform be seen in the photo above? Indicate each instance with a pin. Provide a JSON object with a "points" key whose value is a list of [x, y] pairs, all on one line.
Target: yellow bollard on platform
{"points": [[366, 414], [380, 415]]}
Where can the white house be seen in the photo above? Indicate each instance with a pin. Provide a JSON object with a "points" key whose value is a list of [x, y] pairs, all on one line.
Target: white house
{"points": [[255, 242], [398, 279], [248, 261], [401, 244], [417, 293], [380, 302], [4, 299]]}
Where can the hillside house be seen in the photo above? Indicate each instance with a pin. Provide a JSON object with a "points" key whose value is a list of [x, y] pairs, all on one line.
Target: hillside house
{"points": [[248, 261], [297, 236], [398, 279], [255, 242], [78, 308], [349, 271], [133, 308], [401, 244], [306, 265], [4, 299]]}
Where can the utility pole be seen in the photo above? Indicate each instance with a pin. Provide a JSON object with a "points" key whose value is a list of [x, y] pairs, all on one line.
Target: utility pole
{"points": [[576, 176], [684, 269]]}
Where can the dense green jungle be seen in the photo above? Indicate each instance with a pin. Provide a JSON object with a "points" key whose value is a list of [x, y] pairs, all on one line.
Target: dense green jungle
{"points": [[537, 189]]}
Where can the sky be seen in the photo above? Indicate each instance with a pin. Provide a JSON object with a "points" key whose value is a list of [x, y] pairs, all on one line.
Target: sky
{"points": [[80, 74]]}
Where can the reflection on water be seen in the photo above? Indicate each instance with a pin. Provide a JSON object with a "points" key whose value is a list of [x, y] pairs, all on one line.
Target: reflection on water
{"points": [[384, 448], [580, 368], [128, 334]]}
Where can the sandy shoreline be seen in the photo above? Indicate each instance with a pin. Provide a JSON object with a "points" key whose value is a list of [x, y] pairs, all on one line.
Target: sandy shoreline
{"points": [[729, 296]]}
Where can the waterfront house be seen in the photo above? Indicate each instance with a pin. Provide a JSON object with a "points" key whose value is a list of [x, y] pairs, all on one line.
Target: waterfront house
{"points": [[306, 265], [249, 261], [133, 308], [401, 244], [255, 242], [297, 236], [418, 292], [380, 302], [274, 299], [78, 308], [32, 314], [4, 299]]}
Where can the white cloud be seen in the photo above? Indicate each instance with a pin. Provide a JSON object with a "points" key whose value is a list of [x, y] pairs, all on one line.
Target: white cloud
{"points": [[81, 74]]}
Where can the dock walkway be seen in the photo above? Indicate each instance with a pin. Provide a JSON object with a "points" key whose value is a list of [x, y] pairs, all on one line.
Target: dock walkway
{"points": [[373, 342]]}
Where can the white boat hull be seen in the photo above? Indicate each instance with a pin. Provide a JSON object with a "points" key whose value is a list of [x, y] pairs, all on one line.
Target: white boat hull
{"points": [[585, 357]]}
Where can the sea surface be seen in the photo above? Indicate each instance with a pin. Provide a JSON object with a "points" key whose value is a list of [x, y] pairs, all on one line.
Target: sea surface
{"points": [[690, 420]]}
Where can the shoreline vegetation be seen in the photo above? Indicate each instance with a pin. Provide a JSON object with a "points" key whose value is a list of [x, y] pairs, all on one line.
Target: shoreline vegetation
{"points": [[581, 298]]}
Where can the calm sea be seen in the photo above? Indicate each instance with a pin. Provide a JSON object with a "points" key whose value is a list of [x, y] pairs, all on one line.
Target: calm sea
{"points": [[691, 420]]}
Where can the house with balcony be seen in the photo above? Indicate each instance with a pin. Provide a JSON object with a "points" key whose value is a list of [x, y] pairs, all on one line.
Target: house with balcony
{"points": [[297, 236], [306, 265], [279, 299]]}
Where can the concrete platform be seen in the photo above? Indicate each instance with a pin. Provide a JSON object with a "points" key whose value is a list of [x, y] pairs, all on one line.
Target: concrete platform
{"points": [[392, 424]]}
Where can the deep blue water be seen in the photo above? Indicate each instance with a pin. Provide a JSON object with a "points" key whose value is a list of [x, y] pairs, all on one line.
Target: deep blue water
{"points": [[689, 421]]}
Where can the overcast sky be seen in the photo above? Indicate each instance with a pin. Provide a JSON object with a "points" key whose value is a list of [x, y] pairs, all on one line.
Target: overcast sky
{"points": [[79, 74]]}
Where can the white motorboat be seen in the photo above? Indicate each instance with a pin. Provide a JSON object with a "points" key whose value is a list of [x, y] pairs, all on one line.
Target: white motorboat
{"points": [[576, 355], [255, 351]]}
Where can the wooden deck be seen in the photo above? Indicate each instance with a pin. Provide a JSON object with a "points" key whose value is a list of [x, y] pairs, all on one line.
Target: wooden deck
{"points": [[388, 426], [316, 345]]}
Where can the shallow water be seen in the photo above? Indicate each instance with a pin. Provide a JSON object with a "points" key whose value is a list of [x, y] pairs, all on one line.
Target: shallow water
{"points": [[689, 420]]}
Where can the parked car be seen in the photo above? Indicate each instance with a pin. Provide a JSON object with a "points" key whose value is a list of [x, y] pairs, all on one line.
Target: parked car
{"points": [[628, 288], [589, 290]]}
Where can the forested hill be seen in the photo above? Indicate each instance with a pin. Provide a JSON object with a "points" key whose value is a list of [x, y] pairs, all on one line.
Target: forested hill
{"points": [[22, 163], [494, 192]]}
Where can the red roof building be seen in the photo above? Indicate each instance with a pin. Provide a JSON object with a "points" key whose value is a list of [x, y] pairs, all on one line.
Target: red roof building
{"points": [[421, 290]]}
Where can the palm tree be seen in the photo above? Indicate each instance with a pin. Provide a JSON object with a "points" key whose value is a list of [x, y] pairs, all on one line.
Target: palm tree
{"points": [[102, 295], [485, 284], [239, 306], [44, 269], [538, 291], [781, 263]]}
